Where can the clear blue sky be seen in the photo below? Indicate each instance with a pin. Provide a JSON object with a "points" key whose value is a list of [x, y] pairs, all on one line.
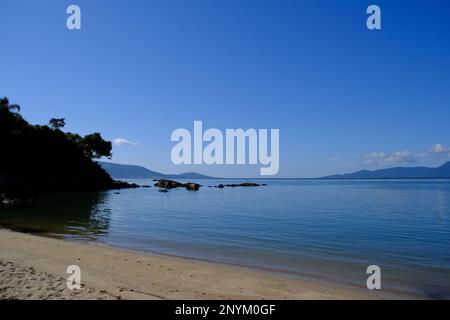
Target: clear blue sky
{"points": [[343, 97]]}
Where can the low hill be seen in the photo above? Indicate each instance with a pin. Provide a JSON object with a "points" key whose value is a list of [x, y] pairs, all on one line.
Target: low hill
{"points": [[442, 172], [125, 171]]}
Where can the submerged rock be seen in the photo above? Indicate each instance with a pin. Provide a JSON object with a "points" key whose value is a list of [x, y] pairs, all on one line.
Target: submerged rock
{"points": [[249, 184], [244, 184]]}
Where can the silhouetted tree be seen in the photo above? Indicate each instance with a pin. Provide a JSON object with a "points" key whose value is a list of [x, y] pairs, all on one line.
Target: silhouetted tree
{"points": [[75, 138], [95, 147], [57, 123], [4, 104], [44, 159]]}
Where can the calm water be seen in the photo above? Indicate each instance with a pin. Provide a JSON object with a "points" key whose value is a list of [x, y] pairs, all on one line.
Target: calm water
{"points": [[325, 229]]}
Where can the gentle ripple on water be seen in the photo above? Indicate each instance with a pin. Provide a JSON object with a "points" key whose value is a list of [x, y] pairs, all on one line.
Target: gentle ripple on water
{"points": [[328, 228]]}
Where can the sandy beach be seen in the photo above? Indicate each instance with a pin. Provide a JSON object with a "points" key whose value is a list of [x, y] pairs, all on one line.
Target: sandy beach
{"points": [[34, 267]]}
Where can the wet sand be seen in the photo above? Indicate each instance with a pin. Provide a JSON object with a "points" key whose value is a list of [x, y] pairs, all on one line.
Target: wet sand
{"points": [[34, 267]]}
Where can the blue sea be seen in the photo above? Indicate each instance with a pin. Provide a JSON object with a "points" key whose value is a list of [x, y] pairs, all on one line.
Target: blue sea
{"points": [[318, 229]]}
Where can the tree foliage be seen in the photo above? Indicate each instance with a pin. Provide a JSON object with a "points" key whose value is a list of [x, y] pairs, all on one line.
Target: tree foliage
{"points": [[4, 104], [94, 147], [45, 158], [57, 123]]}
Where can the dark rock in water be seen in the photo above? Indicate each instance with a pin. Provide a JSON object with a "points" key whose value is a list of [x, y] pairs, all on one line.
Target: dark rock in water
{"points": [[244, 184], [192, 186], [170, 184], [163, 190], [116, 192], [124, 185], [249, 184], [146, 186]]}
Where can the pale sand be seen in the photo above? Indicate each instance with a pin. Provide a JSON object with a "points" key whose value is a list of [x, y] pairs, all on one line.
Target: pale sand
{"points": [[33, 267]]}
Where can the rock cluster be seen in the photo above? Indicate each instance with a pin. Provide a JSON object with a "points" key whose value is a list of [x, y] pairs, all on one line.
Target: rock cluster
{"points": [[233, 185], [170, 184], [124, 185]]}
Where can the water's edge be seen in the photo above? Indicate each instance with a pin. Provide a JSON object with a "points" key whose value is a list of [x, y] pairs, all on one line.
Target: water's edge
{"points": [[389, 293]]}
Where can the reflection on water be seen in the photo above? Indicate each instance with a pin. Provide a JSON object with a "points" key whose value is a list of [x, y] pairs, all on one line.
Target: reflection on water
{"points": [[79, 215], [318, 228]]}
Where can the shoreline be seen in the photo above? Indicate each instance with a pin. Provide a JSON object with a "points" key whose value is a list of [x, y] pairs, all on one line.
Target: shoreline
{"points": [[34, 267]]}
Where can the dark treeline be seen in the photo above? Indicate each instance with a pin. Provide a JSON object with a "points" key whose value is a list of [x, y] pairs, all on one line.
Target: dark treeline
{"points": [[43, 158]]}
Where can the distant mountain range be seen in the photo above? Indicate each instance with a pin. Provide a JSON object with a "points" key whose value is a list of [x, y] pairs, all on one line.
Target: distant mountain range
{"points": [[124, 171], [442, 172]]}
